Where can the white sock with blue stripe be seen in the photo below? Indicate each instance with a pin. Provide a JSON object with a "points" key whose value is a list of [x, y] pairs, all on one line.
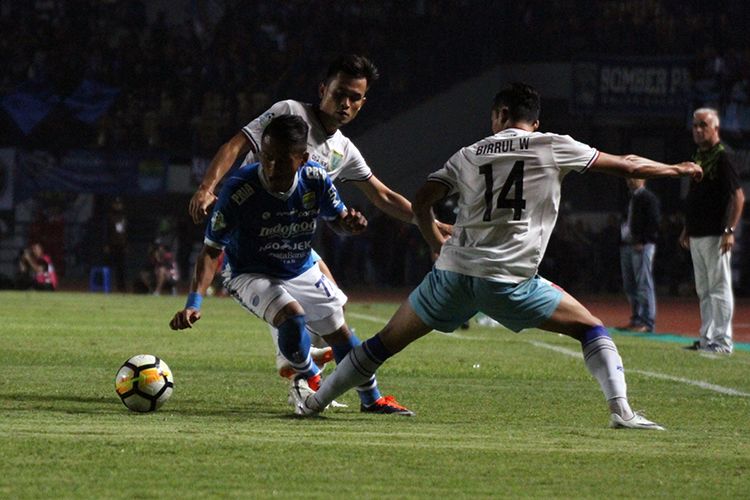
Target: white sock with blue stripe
{"points": [[357, 368], [368, 391], [605, 364]]}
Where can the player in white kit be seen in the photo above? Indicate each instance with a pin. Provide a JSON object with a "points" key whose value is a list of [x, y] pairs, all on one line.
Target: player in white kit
{"points": [[509, 195], [342, 95]]}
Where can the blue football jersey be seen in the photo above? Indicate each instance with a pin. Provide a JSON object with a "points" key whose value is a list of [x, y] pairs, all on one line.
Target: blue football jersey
{"points": [[271, 233]]}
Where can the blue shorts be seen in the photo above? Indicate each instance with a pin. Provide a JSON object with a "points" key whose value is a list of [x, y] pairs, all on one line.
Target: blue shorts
{"points": [[445, 300]]}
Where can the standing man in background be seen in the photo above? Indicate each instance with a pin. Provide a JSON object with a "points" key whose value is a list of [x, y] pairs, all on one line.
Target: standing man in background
{"points": [[639, 233], [713, 210], [116, 246]]}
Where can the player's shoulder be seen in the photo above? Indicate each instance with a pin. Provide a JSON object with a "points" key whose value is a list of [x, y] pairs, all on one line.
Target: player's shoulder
{"points": [[558, 139], [239, 178], [246, 171], [286, 107]]}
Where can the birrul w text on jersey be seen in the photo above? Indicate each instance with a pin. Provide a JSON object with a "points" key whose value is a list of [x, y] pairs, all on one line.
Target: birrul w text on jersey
{"points": [[503, 146]]}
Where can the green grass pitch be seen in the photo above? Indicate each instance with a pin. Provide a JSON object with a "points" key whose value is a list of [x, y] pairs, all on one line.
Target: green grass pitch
{"points": [[498, 414]]}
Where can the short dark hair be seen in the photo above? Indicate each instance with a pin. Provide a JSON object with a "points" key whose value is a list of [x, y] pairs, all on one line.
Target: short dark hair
{"points": [[522, 101], [354, 66], [289, 129]]}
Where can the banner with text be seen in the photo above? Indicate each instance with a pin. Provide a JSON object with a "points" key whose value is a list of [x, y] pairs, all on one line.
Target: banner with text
{"points": [[95, 172], [655, 87]]}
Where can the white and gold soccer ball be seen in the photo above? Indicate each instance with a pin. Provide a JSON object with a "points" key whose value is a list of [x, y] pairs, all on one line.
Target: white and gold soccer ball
{"points": [[144, 383]]}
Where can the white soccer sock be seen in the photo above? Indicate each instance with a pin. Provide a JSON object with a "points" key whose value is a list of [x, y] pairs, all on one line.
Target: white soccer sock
{"points": [[604, 363], [356, 369]]}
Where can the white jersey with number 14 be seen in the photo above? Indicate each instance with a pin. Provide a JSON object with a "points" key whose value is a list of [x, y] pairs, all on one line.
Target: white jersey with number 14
{"points": [[508, 189]]}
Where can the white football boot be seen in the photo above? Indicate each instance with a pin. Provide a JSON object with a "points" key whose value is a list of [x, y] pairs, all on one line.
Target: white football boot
{"points": [[637, 422], [298, 394]]}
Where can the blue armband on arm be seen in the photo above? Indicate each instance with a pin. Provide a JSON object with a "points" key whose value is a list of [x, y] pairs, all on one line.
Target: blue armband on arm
{"points": [[194, 301]]}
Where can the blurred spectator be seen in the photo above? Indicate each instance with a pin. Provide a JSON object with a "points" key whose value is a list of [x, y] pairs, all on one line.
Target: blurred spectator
{"points": [[639, 234], [48, 228], [162, 273], [184, 85], [211, 75], [35, 269], [116, 246]]}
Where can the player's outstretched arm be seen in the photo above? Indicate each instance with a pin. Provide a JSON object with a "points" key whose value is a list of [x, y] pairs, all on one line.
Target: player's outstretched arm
{"points": [[430, 193], [350, 221], [205, 269], [394, 204], [228, 153], [644, 168]]}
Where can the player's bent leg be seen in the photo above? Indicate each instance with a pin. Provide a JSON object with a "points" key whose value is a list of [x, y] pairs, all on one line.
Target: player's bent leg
{"points": [[294, 342], [601, 358], [570, 318], [342, 341], [361, 363], [403, 328], [320, 352], [269, 299]]}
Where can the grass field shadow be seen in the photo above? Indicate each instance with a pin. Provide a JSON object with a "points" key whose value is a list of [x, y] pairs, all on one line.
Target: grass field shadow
{"points": [[51, 402]]}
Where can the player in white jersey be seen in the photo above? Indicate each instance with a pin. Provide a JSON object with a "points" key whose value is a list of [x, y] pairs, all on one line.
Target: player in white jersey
{"points": [[342, 95], [508, 189]]}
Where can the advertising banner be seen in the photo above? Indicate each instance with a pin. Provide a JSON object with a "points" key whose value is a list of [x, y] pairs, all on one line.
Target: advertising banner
{"points": [[655, 87]]}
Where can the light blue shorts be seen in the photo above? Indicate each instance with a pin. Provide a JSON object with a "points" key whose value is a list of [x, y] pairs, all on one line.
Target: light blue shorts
{"points": [[445, 300]]}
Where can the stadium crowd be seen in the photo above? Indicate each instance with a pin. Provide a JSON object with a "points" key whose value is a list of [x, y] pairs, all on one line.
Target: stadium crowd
{"points": [[185, 86]]}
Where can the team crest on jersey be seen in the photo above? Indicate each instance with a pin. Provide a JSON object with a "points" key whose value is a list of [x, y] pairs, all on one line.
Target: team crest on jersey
{"points": [[308, 200], [217, 222], [336, 158], [266, 118]]}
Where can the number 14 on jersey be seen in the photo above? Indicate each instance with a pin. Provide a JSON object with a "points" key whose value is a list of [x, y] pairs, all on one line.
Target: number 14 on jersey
{"points": [[514, 180]]}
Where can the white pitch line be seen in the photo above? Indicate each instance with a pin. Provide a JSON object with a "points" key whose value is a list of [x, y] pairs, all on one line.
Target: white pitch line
{"points": [[367, 317], [697, 383], [577, 354], [662, 376]]}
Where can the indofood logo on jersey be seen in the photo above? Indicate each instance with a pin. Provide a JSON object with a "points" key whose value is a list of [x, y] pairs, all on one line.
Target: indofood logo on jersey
{"points": [[287, 230], [308, 200]]}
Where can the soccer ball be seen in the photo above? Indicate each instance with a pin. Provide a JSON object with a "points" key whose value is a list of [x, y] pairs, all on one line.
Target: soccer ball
{"points": [[144, 383]]}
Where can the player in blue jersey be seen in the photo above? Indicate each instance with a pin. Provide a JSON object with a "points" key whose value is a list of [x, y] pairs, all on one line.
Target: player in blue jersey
{"points": [[264, 221], [343, 93], [509, 187]]}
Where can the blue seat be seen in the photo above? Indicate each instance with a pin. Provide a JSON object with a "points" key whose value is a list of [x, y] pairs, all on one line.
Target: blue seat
{"points": [[99, 279]]}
